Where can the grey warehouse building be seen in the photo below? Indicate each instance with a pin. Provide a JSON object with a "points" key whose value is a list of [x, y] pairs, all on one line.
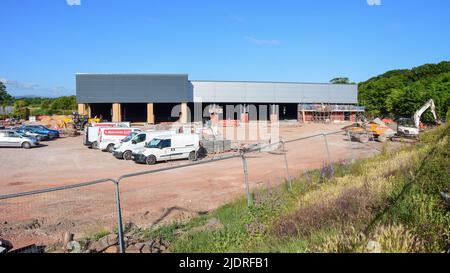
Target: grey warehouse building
{"points": [[152, 97]]}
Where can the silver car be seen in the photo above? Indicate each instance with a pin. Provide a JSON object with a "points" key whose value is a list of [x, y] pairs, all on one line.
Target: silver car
{"points": [[11, 138]]}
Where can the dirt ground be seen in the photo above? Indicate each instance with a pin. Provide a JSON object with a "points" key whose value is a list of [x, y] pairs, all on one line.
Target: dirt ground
{"points": [[146, 200]]}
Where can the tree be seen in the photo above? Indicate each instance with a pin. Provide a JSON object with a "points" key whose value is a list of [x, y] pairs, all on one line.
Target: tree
{"points": [[399, 93], [63, 103], [45, 104], [20, 109], [5, 98], [340, 80]]}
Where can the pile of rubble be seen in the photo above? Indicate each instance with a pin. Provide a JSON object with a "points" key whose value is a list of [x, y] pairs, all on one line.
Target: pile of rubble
{"points": [[134, 240], [110, 244]]}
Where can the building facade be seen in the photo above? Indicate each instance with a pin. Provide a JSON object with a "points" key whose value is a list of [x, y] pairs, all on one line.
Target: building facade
{"points": [[155, 98]]}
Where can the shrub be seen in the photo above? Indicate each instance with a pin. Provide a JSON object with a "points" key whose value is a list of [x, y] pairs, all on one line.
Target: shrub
{"points": [[397, 239], [353, 204], [347, 240]]}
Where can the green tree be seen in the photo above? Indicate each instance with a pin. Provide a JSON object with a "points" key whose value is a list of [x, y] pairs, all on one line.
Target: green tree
{"points": [[340, 80], [5, 98], [45, 104], [20, 109], [399, 93], [63, 105]]}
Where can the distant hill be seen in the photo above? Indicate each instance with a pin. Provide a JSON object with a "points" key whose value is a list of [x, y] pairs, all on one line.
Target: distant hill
{"points": [[399, 93], [25, 97]]}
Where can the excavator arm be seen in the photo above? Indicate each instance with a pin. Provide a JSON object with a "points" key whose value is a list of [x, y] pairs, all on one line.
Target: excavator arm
{"points": [[419, 113]]}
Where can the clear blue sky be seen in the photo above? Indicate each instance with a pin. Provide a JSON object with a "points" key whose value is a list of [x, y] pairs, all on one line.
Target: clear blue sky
{"points": [[45, 42]]}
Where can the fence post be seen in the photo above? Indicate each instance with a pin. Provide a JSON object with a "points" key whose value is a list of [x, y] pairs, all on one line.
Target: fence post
{"points": [[247, 187], [352, 155], [119, 219], [287, 166], [328, 150]]}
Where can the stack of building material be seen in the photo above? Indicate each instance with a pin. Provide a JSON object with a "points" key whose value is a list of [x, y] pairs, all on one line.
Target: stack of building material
{"points": [[216, 146]]}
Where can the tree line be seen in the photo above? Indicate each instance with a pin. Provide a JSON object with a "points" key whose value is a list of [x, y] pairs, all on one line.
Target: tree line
{"points": [[50, 106], [37, 105], [399, 93]]}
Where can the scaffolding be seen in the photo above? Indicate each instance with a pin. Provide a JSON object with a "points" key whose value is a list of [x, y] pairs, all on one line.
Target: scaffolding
{"points": [[322, 117], [327, 113]]}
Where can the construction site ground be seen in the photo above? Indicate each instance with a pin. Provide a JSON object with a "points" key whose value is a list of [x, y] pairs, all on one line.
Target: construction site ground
{"points": [[146, 200]]}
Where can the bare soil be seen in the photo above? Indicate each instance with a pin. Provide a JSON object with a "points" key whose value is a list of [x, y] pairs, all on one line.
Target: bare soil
{"points": [[146, 200]]}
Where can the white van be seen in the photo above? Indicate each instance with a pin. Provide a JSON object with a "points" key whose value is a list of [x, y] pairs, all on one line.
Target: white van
{"points": [[109, 137], [91, 132], [181, 146], [136, 143]]}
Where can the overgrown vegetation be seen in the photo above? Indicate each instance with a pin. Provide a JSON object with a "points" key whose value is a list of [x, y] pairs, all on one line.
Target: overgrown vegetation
{"points": [[399, 93], [389, 203]]}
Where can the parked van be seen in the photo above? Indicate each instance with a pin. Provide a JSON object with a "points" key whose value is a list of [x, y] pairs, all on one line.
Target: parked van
{"points": [[11, 138], [136, 144], [109, 137], [167, 148], [91, 133]]}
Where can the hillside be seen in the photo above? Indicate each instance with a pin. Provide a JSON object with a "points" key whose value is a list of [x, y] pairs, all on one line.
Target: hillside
{"points": [[399, 93], [389, 203]]}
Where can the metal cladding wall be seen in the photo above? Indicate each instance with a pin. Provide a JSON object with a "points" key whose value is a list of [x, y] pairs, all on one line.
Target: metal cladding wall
{"points": [[132, 88], [272, 92], [176, 88]]}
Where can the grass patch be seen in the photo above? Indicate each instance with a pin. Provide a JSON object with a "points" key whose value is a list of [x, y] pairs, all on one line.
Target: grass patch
{"points": [[96, 234], [387, 203]]}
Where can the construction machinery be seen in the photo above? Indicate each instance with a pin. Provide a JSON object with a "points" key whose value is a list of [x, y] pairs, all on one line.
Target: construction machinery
{"points": [[358, 132], [75, 123], [375, 129], [78, 122], [410, 127]]}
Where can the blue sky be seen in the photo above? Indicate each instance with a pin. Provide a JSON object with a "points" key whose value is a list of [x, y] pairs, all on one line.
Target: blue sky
{"points": [[45, 42]]}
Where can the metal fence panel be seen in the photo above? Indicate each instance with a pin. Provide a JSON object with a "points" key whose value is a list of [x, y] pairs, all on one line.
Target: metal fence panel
{"points": [[42, 218], [152, 197]]}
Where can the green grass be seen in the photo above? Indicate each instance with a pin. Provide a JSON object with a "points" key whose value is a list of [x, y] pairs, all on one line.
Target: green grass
{"points": [[392, 198], [96, 234]]}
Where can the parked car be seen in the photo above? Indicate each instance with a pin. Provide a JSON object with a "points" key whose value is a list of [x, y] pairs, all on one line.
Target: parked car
{"points": [[42, 130], [169, 148], [11, 138], [136, 143], [28, 132], [108, 138]]}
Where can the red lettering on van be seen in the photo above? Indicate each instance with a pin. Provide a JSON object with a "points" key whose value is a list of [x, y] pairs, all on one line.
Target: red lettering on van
{"points": [[121, 132]]}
